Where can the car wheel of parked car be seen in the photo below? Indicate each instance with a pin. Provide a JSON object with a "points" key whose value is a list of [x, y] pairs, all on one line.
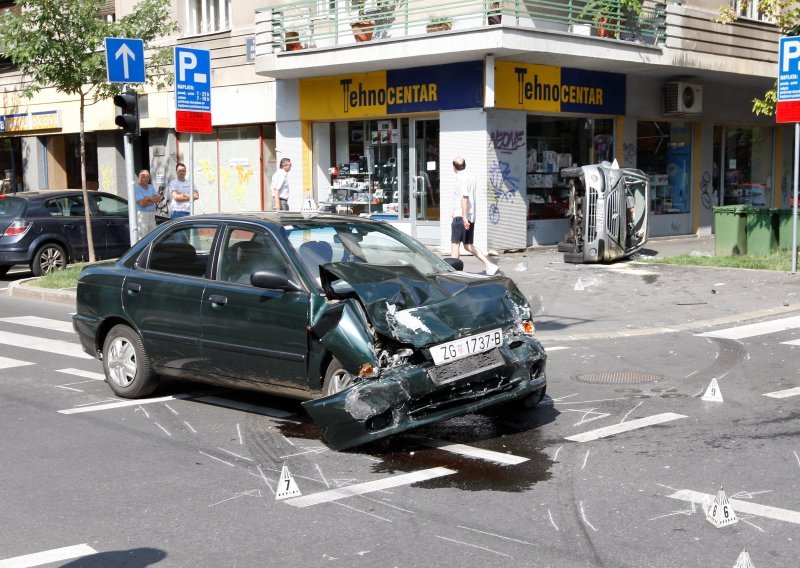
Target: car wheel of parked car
{"points": [[4, 270], [48, 258], [565, 246], [126, 364], [337, 378]]}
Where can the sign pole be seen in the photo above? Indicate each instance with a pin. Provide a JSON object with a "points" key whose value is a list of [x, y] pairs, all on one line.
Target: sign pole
{"points": [[133, 222], [794, 201], [192, 183]]}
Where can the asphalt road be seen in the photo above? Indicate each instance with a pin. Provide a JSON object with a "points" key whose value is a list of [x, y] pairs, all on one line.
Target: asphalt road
{"points": [[609, 471]]}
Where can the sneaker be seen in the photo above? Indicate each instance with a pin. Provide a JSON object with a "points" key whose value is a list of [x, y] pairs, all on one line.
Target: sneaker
{"points": [[492, 269]]}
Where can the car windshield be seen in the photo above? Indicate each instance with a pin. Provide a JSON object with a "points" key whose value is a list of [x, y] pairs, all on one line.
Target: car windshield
{"points": [[351, 241], [11, 206]]}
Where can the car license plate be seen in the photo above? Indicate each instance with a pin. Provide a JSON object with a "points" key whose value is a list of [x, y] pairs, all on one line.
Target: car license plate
{"points": [[466, 346]]}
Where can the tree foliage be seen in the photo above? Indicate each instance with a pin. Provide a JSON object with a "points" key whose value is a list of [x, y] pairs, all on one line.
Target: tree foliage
{"points": [[786, 15], [59, 43]]}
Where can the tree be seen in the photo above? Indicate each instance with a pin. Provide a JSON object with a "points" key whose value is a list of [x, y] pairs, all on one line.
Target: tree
{"points": [[59, 44], [786, 15]]}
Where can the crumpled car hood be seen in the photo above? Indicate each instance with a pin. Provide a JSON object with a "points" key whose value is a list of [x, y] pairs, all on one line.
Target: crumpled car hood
{"points": [[420, 309]]}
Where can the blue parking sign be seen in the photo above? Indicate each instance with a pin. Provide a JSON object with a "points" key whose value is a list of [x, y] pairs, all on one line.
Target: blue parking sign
{"points": [[789, 69], [192, 79], [124, 60]]}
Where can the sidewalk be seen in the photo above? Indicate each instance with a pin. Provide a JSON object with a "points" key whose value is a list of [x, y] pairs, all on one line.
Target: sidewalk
{"points": [[589, 301]]}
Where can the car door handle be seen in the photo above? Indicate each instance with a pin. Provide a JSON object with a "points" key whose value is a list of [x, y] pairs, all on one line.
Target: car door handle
{"points": [[133, 289], [218, 300]]}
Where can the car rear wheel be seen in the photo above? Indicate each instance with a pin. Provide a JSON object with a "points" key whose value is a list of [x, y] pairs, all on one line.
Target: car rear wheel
{"points": [[48, 258], [337, 378], [128, 370]]}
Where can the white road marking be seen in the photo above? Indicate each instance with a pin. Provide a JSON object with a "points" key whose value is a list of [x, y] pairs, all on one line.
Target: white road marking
{"points": [[754, 329], [8, 363], [48, 556], [474, 546], [54, 346], [123, 403], [784, 393], [80, 373], [625, 427], [741, 506], [793, 342], [470, 452], [556, 348], [43, 323], [369, 486]]}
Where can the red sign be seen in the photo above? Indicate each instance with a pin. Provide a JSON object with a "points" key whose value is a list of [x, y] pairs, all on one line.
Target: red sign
{"points": [[788, 111], [193, 122]]}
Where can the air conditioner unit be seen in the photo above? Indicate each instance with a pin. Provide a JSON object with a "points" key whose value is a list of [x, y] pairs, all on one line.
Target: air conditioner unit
{"points": [[683, 98]]}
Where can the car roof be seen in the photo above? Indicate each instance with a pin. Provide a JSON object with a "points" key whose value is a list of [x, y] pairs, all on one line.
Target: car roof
{"points": [[282, 218], [42, 193]]}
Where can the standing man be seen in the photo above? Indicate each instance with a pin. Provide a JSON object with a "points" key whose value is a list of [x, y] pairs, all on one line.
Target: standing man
{"points": [[180, 203], [462, 227], [280, 186], [147, 197]]}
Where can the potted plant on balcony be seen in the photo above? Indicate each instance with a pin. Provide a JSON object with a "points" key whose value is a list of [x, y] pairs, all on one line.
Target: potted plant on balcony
{"points": [[606, 14], [363, 27], [439, 24], [494, 14]]}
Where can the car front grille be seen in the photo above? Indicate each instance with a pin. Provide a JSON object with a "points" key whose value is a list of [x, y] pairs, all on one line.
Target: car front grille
{"points": [[591, 219], [465, 367]]}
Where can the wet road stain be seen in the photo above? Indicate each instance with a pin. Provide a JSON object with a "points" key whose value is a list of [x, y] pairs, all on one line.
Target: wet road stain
{"points": [[304, 430], [650, 278]]}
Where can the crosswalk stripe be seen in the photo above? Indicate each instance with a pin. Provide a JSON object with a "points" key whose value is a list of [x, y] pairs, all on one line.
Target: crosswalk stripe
{"points": [[54, 346], [8, 363], [794, 342], [556, 348], [48, 556], [783, 393], [122, 404], [471, 452], [741, 506], [754, 329], [85, 374], [369, 486], [44, 323], [625, 427]]}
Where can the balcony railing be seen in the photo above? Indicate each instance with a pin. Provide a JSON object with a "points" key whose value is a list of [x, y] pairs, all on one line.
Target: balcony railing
{"points": [[310, 24]]}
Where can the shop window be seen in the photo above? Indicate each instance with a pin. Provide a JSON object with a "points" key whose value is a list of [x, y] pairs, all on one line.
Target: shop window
{"points": [[207, 16], [743, 156], [664, 152], [555, 143]]}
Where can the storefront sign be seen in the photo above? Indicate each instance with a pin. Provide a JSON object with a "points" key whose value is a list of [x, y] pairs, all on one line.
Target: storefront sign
{"points": [[45, 120], [520, 86], [421, 89]]}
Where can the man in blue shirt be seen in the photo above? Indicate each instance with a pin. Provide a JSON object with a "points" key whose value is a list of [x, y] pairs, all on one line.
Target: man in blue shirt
{"points": [[146, 198]]}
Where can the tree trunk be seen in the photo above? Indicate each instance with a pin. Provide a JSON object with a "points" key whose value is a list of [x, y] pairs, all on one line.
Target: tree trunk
{"points": [[86, 202]]}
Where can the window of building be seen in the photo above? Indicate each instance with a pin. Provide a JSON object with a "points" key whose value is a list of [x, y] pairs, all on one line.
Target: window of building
{"points": [[207, 16], [555, 143], [664, 152], [743, 155], [751, 10]]}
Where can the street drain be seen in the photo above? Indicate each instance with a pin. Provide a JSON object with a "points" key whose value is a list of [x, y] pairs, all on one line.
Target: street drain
{"points": [[618, 377]]}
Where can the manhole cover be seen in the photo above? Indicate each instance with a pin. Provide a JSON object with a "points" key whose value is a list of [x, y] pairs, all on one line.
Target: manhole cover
{"points": [[619, 377]]}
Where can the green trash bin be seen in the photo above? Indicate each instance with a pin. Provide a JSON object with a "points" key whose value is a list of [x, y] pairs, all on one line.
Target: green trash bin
{"points": [[785, 228], [762, 231], [730, 230]]}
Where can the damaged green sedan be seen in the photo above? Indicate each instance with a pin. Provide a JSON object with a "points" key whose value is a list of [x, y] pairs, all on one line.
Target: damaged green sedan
{"points": [[377, 334]]}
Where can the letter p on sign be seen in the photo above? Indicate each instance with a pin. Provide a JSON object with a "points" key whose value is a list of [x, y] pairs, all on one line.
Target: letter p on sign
{"points": [[791, 51]]}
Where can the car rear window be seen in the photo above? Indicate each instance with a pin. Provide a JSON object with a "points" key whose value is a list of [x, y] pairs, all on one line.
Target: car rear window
{"points": [[12, 206]]}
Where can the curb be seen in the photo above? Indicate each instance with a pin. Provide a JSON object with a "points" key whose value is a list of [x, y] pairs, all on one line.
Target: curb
{"points": [[17, 289]]}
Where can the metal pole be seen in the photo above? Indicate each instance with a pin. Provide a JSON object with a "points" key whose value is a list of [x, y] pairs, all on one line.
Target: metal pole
{"points": [[191, 179], [133, 225], [794, 206]]}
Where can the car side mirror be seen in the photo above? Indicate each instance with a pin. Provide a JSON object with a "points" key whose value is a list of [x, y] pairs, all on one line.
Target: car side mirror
{"points": [[456, 263], [272, 280]]}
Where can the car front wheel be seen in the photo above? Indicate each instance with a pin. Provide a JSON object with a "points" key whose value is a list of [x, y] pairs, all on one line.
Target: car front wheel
{"points": [[128, 370], [337, 378], [48, 258]]}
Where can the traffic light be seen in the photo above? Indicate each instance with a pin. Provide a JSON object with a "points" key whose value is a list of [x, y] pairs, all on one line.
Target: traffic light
{"points": [[128, 118]]}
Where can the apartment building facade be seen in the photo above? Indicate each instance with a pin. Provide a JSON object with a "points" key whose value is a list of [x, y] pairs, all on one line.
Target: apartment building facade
{"points": [[520, 89]]}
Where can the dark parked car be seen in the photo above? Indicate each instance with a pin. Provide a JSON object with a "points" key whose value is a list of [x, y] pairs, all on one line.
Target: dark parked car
{"points": [[47, 229], [377, 333]]}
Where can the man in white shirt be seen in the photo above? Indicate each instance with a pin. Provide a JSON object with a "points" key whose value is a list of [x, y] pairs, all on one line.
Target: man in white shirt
{"points": [[180, 202], [462, 227], [280, 186]]}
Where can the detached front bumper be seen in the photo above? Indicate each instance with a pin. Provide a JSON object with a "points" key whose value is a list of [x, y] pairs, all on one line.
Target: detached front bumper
{"points": [[411, 396]]}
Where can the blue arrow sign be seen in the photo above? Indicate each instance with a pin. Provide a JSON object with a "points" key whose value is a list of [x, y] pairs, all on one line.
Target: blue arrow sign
{"points": [[124, 60], [192, 79]]}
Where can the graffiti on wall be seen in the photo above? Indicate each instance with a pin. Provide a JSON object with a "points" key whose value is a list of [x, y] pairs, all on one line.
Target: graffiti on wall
{"points": [[628, 154], [505, 145], [708, 194], [506, 141], [108, 180]]}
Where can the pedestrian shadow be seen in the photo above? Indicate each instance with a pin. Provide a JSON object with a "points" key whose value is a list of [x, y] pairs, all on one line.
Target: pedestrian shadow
{"points": [[133, 558]]}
